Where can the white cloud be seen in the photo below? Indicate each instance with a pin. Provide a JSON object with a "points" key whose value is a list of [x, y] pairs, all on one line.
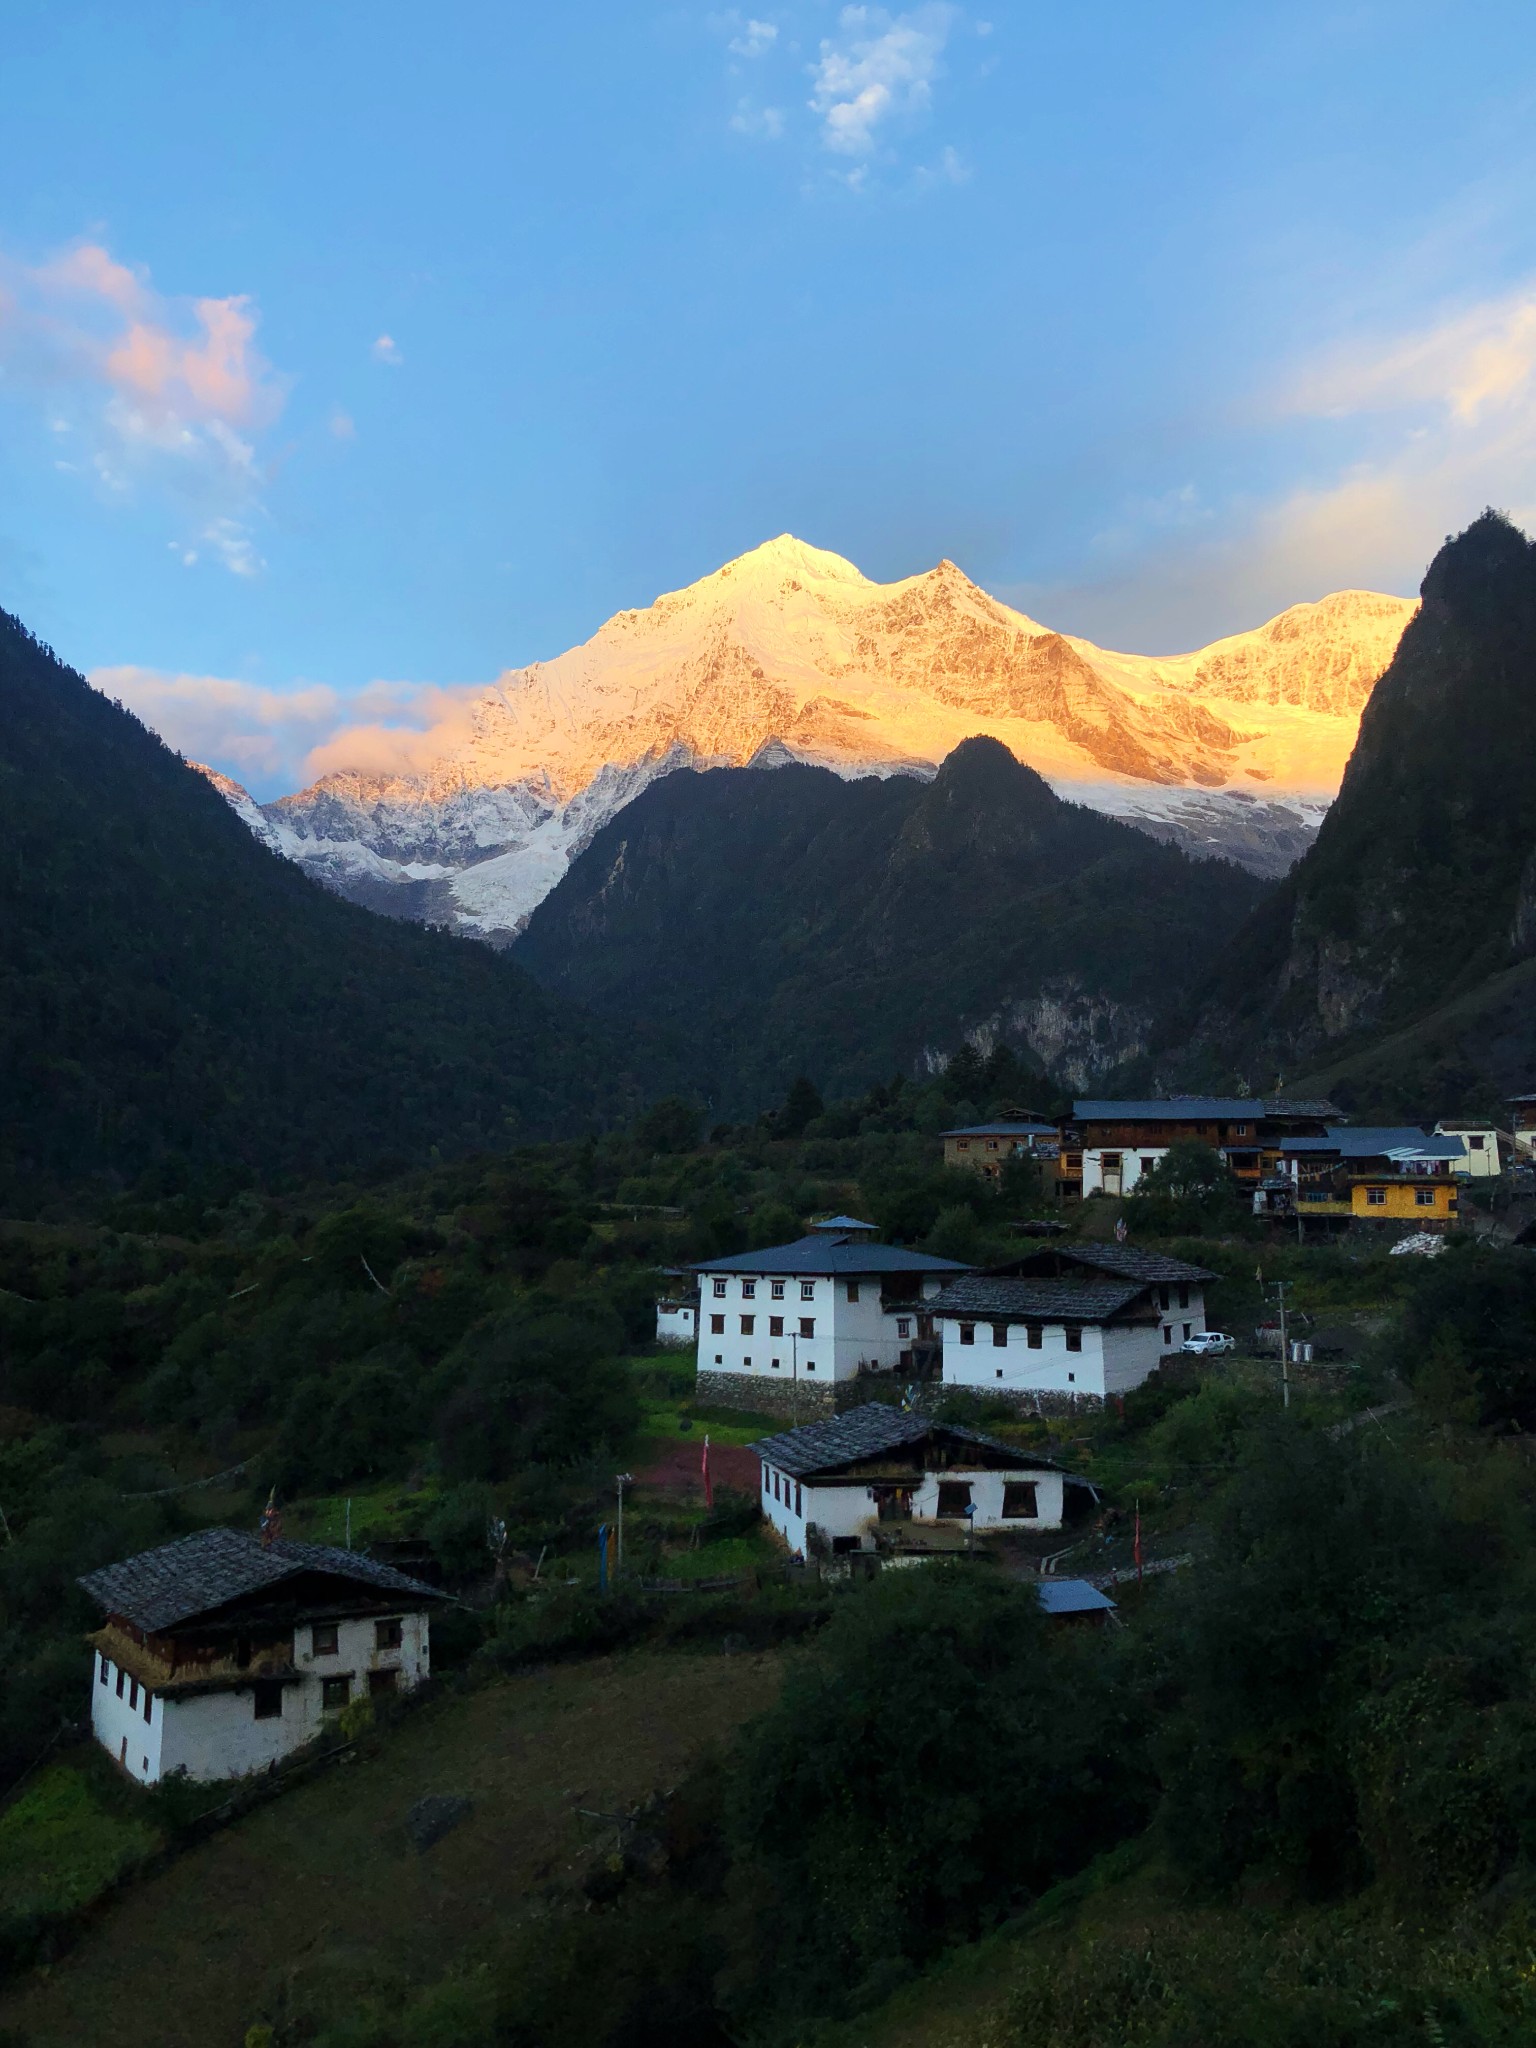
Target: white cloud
{"points": [[151, 391], [342, 425], [950, 169], [878, 68], [386, 350], [756, 39], [765, 121], [281, 739]]}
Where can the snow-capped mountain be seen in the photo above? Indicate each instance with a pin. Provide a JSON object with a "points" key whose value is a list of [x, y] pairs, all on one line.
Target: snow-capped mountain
{"points": [[790, 653]]}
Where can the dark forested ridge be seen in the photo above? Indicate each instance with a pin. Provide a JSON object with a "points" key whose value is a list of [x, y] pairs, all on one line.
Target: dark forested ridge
{"points": [[172, 992], [1397, 952], [788, 921]]}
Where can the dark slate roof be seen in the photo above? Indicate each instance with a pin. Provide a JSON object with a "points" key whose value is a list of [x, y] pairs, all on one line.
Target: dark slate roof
{"points": [[199, 1573], [836, 1223], [1072, 1596], [866, 1431], [1036, 1301], [1129, 1261], [820, 1254], [1001, 1130]]}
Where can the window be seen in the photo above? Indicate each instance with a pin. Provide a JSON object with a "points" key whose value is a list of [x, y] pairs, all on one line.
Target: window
{"points": [[807, 1326], [749, 1290], [810, 1365], [1020, 1501], [325, 1639], [1241, 1130], [967, 1333], [775, 1485], [746, 1325], [717, 1327], [1184, 1294], [746, 1364], [903, 1326], [388, 1635], [853, 1290], [105, 1668], [1034, 1335], [1424, 1197], [776, 1289], [1162, 1297], [963, 1144], [797, 1496], [719, 1290], [383, 1682], [1074, 1338], [718, 1359], [774, 1364], [999, 1333], [1148, 1161], [1376, 1198], [999, 1372], [954, 1496], [1475, 1144], [767, 1480], [807, 1290], [121, 1674], [775, 1326], [1187, 1328], [266, 1700], [1071, 1379], [133, 1694], [1167, 1335], [334, 1694], [991, 1144], [149, 1701]]}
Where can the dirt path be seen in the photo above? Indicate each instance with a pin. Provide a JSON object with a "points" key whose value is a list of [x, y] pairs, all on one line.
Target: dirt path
{"points": [[319, 1900]]}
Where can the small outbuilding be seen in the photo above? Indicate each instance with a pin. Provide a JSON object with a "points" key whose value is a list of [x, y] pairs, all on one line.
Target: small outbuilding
{"points": [[1076, 1600], [222, 1653], [878, 1472]]}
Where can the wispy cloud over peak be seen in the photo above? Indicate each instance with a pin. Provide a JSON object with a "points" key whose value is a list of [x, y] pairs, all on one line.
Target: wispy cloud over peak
{"points": [[148, 388], [878, 68]]}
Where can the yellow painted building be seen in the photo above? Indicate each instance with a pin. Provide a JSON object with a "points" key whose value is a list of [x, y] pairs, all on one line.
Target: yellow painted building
{"points": [[1404, 1198]]}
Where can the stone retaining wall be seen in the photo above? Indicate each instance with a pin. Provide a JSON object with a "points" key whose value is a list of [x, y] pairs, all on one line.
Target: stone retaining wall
{"points": [[784, 1399]]}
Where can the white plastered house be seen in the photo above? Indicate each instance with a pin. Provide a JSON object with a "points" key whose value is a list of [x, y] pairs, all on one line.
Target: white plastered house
{"points": [[221, 1654], [876, 1475], [822, 1309]]}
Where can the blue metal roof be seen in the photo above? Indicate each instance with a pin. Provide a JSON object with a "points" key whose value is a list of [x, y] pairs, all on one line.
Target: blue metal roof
{"points": [[1072, 1596], [835, 1223], [1351, 1141], [830, 1255], [1001, 1131]]}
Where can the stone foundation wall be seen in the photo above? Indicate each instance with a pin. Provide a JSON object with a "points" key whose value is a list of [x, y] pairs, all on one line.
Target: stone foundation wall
{"points": [[779, 1398]]}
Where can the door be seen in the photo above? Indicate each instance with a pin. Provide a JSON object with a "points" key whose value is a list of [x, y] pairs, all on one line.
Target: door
{"points": [[1109, 1166]]}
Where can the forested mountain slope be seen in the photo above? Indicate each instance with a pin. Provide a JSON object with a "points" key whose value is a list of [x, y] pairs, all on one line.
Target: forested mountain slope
{"points": [[789, 921], [173, 993], [1412, 913]]}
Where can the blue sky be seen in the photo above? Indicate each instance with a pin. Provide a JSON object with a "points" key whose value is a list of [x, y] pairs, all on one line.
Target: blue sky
{"points": [[351, 351]]}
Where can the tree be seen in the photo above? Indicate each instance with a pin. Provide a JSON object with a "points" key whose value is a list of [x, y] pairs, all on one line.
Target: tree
{"points": [[672, 1125], [1189, 1190], [801, 1105]]}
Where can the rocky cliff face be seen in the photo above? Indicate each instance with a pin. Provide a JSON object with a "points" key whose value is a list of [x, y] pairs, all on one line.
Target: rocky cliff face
{"points": [[1420, 892], [790, 654]]}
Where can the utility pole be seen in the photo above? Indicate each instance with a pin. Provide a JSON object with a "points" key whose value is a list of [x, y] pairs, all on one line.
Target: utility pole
{"points": [[624, 1479], [1285, 1347]]}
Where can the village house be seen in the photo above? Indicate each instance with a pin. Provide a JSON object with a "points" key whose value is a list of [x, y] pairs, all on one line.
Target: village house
{"points": [[677, 1312], [1484, 1148], [1106, 1147], [1069, 1324], [1522, 1118], [984, 1148], [1394, 1174], [877, 1477], [221, 1653], [813, 1315]]}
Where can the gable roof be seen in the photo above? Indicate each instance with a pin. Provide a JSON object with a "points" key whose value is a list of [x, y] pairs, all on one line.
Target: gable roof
{"points": [[866, 1431], [836, 1223], [1173, 1109], [200, 1573], [1126, 1261], [819, 1253], [1001, 1130], [1045, 1301]]}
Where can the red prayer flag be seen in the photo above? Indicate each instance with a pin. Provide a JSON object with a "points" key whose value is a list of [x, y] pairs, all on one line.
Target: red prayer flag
{"points": [[709, 1491]]}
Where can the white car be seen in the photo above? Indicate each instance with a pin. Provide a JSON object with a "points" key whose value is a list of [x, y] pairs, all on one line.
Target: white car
{"points": [[1209, 1343]]}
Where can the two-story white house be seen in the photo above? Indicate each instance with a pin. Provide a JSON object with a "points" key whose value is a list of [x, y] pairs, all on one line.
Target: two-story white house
{"points": [[1174, 1287], [222, 1653], [813, 1314], [877, 1476]]}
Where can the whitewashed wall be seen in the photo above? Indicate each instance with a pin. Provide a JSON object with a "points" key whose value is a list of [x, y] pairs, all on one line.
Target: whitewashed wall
{"points": [[217, 1735], [849, 1508], [847, 1334], [676, 1325], [1113, 1358]]}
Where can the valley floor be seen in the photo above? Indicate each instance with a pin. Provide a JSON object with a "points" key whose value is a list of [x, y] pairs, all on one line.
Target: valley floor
{"points": [[319, 1905]]}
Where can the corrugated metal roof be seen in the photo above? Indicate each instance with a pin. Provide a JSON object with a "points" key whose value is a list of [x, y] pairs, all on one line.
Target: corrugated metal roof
{"points": [[813, 1254], [1001, 1131], [1051, 1301], [199, 1573], [1072, 1596], [1351, 1141], [841, 1223], [866, 1431]]}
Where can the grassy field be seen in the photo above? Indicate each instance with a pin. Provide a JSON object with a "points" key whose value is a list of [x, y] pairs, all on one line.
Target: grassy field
{"points": [[62, 1845], [317, 1905]]}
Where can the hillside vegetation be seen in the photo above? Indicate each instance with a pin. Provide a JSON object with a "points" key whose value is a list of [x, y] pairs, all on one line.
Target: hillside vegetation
{"points": [[174, 997]]}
